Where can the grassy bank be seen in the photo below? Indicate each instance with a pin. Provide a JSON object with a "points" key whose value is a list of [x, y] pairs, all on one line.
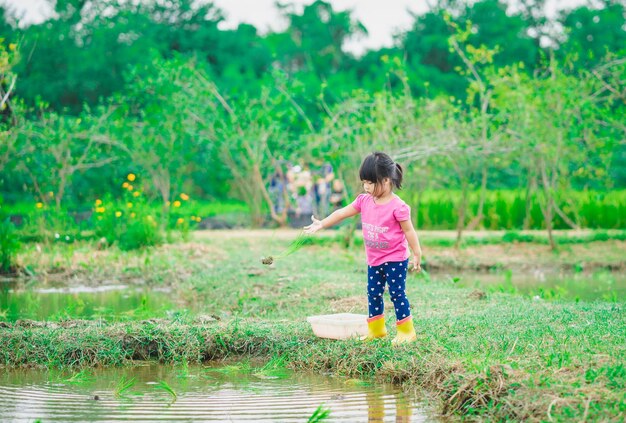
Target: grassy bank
{"points": [[486, 354]]}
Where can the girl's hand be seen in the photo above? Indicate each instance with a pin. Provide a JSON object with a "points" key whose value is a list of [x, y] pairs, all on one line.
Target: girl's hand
{"points": [[416, 264], [313, 227]]}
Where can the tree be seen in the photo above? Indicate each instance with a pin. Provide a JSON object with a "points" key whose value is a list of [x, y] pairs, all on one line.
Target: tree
{"points": [[251, 134], [8, 57], [554, 120], [428, 56], [315, 39], [478, 68], [55, 148], [161, 124], [591, 33]]}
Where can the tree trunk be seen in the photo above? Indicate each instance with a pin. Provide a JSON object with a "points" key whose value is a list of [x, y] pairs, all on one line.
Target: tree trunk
{"points": [[461, 213], [480, 215], [546, 208], [565, 217], [530, 184]]}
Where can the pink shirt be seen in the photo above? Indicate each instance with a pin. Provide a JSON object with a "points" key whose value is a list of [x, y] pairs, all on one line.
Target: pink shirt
{"points": [[382, 234]]}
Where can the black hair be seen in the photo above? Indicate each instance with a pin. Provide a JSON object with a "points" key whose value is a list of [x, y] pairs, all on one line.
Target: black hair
{"points": [[378, 166]]}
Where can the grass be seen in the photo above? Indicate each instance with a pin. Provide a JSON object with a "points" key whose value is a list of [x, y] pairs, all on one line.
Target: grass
{"points": [[319, 415], [167, 388], [506, 209], [497, 356], [123, 385]]}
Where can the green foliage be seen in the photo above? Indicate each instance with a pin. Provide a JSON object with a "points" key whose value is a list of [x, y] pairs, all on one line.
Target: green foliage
{"points": [[211, 112], [131, 222], [167, 388], [9, 246], [506, 209], [320, 414], [122, 386]]}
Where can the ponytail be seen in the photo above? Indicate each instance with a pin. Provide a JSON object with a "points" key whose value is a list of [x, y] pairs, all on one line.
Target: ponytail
{"points": [[397, 176]]}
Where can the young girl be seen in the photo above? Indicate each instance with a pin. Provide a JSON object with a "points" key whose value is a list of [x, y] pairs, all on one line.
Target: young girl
{"points": [[387, 232]]}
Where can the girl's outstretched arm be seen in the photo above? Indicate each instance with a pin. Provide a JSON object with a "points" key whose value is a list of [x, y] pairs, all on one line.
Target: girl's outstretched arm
{"points": [[334, 218], [414, 243]]}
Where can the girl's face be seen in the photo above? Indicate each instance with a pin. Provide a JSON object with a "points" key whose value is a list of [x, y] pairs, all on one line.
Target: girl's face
{"points": [[377, 190]]}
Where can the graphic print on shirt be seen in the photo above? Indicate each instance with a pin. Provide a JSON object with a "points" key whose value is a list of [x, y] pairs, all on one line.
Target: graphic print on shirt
{"points": [[371, 233]]}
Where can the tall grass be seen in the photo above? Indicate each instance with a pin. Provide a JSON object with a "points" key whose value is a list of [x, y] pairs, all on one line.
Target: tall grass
{"points": [[122, 386], [319, 415], [506, 209], [167, 388], [301, 240]]}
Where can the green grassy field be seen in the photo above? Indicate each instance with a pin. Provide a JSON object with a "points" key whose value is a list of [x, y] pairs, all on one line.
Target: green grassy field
{"points": [[487, 354]]}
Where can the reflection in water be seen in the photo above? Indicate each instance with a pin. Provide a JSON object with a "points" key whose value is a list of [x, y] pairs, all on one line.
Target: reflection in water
{"points": [[203, 394], [377, 409], [114, 302]]}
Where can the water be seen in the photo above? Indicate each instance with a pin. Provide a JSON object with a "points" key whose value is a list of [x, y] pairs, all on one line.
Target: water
{"points": [[203, 394], [112, 302], [599, 286]]}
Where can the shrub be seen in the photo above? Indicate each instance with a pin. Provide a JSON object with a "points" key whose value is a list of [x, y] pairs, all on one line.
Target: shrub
{"points": [[130, 222]]}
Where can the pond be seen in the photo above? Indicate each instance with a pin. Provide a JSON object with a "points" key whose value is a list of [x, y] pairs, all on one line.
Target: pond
{"points": [[154, 392]]}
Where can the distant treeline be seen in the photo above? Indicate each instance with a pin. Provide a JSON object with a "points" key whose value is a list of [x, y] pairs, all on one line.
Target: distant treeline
{"points": [[471, 99], [90, 50]]}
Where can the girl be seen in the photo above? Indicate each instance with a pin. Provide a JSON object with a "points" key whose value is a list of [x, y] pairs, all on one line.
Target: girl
{"points": [[387, 232]]}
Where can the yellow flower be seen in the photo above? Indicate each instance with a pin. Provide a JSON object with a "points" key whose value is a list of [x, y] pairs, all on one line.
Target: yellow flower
{"points": [[132, 214], [131, 177], [180, 221], [198, 219], [12, 46], [39, 205], [176, 203], [129, 205], [125, 185], [136, 194], [51, 194], [130, 187], [118, 213], [184, 197], [100, 209], [98, 202]]}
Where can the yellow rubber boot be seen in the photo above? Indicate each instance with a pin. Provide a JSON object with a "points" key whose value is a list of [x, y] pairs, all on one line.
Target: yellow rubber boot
{"points": [[375, 328], [406, 331]]}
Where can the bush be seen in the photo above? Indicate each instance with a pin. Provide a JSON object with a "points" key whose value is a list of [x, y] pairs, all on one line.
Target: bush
{"points": [[139, 233], [130, 222]]}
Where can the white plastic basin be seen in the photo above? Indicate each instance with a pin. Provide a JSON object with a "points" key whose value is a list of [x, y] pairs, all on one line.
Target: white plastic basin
{"points": [[339, 326]]}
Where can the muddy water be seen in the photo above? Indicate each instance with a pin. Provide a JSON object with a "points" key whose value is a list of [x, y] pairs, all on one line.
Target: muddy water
{"points": [[202, 394]]}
